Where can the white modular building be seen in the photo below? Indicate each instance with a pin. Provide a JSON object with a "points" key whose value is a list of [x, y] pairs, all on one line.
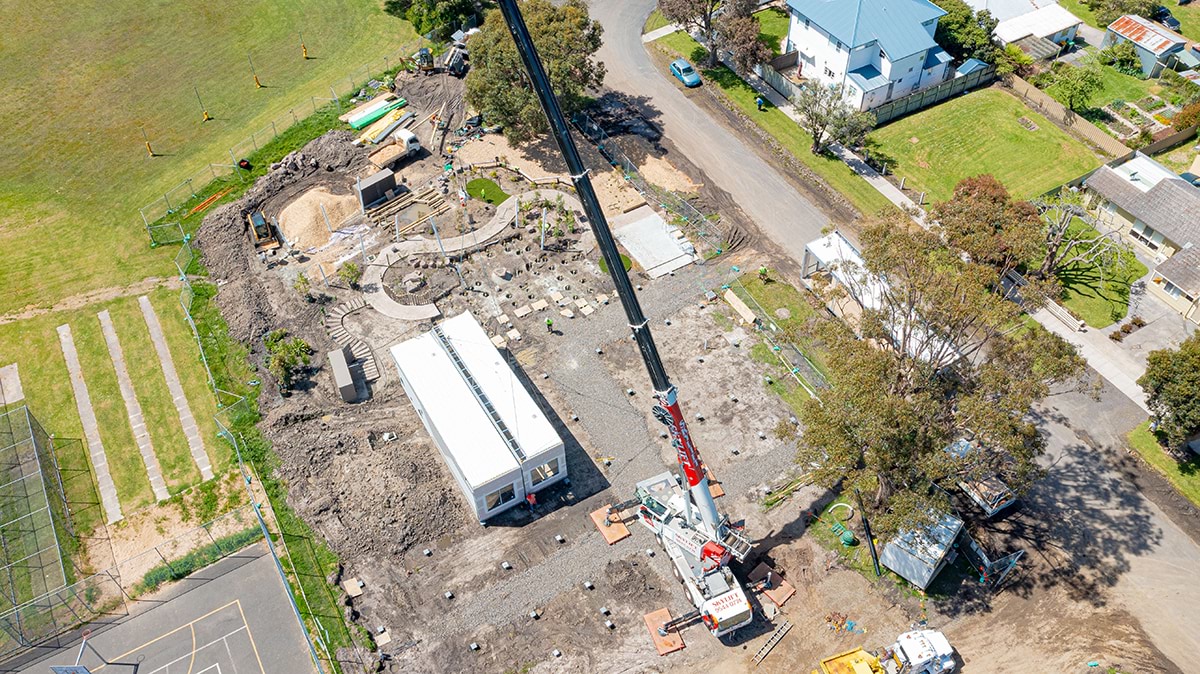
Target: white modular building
{"points": [[494, 437]]}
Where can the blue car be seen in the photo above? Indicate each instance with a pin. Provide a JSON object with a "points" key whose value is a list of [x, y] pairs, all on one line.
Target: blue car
{"points": [[684, 72]]}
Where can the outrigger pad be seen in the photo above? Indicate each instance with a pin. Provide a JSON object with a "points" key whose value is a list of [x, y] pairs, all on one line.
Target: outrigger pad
{"points": [[614, 531], [668, 644]]}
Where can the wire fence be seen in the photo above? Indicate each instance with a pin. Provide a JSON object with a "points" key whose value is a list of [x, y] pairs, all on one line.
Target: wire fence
{"points": [[799, 365], [708, 231], [162, 217]]}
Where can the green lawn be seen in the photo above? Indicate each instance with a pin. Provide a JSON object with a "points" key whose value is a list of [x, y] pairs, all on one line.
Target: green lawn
{"points": [[655, 21], [73, 170], [487, 190], [1082, 11], [774, 295], [1188, 15], [1100, 303], [773, 28], [979, 133], [1119, 86], [1185, 476]]}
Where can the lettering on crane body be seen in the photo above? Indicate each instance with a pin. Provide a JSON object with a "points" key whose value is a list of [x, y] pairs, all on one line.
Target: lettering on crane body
{"points": [[726, 601], [683, 540]]}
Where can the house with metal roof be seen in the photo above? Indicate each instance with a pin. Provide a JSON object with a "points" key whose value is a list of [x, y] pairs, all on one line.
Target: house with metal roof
{"points": [[1159, 212], [878, 50], [1157, 46], [1051, 24]]}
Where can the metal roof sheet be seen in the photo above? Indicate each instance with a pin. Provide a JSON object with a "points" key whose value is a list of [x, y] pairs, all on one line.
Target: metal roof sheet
{"points": [[1152, 37], [897, 25]]}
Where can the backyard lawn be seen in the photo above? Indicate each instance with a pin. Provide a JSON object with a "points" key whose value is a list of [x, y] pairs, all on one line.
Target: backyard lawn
{"points": [[1119, 86], [1184, 475], [980, 133], [1100, 301], [789, 134], [773, 28]]}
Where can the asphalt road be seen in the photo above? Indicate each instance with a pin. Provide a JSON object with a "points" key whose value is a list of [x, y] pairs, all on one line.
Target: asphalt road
{"points": [[777, 209]]}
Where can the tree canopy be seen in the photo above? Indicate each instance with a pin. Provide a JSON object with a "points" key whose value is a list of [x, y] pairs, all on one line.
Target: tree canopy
{"points": [[984, 221], [966, 33], [828, 118], [722, 26], [739, 35], [1172, 386], [1108, 11], [497, 85], [895, 403], [1076, 85], [437, 16]]}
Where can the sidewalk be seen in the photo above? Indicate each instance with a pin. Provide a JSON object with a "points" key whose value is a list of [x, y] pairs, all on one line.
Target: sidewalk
{"points": [[1121, 369], [659, 32]]}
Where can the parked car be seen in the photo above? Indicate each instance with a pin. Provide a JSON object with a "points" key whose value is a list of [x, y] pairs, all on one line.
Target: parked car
{"points": [[1164, 16], [684, 72], [988, 492]]}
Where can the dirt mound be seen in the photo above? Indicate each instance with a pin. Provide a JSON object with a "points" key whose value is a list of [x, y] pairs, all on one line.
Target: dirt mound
{"points": [[302, 222], [629, 580]]}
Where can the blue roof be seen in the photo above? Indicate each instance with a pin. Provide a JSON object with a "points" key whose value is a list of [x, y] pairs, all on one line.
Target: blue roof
{"points": [[868, 78], [897, 25], [936, 57], [970, 66]]}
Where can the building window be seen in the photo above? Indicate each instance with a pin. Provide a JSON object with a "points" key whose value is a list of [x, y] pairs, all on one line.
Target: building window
{"points": [[1146, 235], [852, 91], [882, 55], [544, 472], [1175, 291], [499, 497], [828, 72]]}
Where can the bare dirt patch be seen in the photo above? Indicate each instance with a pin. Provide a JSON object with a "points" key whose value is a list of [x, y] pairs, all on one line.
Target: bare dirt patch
{"points": [[660, 171]]}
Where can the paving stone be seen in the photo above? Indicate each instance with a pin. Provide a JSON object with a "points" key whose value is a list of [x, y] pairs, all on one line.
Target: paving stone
{"points": [[522, 311], [540, 305]]}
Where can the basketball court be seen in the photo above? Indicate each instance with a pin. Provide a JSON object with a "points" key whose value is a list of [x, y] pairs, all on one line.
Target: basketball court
{"points": [[233, 619]]}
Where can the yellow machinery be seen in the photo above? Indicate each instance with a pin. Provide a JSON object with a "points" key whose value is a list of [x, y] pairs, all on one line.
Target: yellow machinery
{"points": [[856, 661]]}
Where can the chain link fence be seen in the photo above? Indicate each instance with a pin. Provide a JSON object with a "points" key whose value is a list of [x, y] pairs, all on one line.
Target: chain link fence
{"points": [[793, 356], [707, 232]]}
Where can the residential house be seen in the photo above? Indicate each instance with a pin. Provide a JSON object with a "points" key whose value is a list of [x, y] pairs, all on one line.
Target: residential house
{"points": [[879, 50], [1004, 10], [1041, 33], [1157, 47], [1159, 212]]}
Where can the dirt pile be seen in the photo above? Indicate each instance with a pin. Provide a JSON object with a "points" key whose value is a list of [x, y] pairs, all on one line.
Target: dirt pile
{"points": [[303, 222]]}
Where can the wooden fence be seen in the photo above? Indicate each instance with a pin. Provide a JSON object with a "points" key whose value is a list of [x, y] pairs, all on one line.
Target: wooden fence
{"points": [[923, 99], [1047, 106]]}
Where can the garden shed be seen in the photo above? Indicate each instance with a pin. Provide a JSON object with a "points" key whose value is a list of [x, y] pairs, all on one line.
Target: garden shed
{"points": [[495, 439], [1156, 45], [919, 555]]}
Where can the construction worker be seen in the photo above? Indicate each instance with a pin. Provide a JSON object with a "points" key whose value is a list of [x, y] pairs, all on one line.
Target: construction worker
{"points": [[549, 325], [758, 100]]}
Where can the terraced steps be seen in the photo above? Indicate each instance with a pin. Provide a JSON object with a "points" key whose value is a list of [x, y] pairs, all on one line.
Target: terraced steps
{"points": [[359, 349]]}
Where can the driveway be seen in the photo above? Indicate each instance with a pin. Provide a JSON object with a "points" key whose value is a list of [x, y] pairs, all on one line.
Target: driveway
{"points": [[777, 209]]}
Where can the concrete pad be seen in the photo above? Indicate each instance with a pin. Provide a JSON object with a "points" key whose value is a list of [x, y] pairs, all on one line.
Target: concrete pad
{"points": [[567, 313], [499, 342], [352, 588], [10, 385], [616, 529], [668, 644], [646, 236], [556, 297], [602, 298], [540, 305], [502, 319], [383, 638], [513, 335], [780, 590], [581, 303], [587, 311], [522, 311]]}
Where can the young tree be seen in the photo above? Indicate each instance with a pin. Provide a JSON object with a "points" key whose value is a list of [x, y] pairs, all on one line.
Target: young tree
{"points": [[302, 284], [828, 118], [895, 400], [1108, 11], [1172, 386], [498, 85], [984, 221], [694, 16], [350, 273], [739, 35], [285, 357], [966, 33], [1078, 84], [1071, 236], [1012, 61]]}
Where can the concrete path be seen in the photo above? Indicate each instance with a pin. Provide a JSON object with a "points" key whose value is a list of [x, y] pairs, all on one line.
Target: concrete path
{"points": [[136, 421], [1118, 366], [659, 32], [190, 429], [10, 385], [91, 429]]}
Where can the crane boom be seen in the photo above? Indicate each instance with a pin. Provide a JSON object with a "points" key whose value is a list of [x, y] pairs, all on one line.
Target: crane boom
{"points": [[667, 411]]}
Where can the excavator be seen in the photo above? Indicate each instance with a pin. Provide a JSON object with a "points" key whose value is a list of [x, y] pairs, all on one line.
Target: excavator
{"points": [[698, 539]]}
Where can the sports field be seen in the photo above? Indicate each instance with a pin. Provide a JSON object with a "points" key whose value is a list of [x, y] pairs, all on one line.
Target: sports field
{"points": [[81, 78], [978, 133]]}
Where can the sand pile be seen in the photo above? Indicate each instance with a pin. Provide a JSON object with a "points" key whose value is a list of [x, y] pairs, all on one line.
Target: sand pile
{"points": [[303, 223]]}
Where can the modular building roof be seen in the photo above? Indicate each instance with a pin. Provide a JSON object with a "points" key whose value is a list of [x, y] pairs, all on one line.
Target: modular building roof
{"points": [[453, 409]]}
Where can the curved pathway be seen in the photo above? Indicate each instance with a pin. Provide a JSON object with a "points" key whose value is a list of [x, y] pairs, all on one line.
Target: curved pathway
{"points": [[506, 213]]}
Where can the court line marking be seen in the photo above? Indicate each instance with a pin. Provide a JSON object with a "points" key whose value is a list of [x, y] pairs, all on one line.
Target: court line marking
{"points": [[192, 663], [250, 634], [193, 653], [212, 667], [164, 635]]}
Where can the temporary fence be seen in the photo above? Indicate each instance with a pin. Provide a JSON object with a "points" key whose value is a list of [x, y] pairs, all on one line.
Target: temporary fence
{"points": [[710, 235], [171, 205], [793, 357]]}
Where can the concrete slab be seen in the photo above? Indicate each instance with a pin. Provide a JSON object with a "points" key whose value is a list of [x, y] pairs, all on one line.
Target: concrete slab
{"points": [[133, 408], [646, 236], [353, 587], [522, 311], [10, 385], [91, 428], [190, 430], [567, 313], [513, 335], [581, 303], [556, 297], [540, 305], [587, 311], [499, 342], [602, 298]]}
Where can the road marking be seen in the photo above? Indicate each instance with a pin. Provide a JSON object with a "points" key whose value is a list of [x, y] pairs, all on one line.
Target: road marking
{"points": [[192, 662], [164, 635]]}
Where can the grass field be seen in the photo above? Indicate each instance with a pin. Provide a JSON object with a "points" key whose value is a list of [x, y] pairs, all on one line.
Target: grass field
{"points": [[789, 134], [976, 134], [81, 79], [655, 21], [1184, 475], [773, 28], [1099, 301]]}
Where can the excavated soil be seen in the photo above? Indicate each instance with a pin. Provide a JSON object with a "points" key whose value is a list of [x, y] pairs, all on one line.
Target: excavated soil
{"points": [[304, 224]]}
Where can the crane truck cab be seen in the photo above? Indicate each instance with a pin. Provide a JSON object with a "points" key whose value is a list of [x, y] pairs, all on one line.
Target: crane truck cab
{"points": [[698, 561]]}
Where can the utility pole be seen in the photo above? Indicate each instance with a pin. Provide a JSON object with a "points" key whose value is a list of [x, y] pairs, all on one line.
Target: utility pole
{"points": [[867, 532], [257, 84], [202, 108]]}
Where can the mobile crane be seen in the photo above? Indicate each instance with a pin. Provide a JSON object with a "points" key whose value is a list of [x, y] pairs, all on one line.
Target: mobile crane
{"points": [[699, 541]]}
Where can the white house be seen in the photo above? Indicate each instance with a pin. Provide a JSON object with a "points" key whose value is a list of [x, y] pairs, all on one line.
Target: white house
{"points": [[494, 438], [1052, 23], [879, 50]]}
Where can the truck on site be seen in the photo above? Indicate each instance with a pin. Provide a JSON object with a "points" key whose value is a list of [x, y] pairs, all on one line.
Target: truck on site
{"points": [[262, 232], [916, 652], [699, 540], [403, 144]]}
